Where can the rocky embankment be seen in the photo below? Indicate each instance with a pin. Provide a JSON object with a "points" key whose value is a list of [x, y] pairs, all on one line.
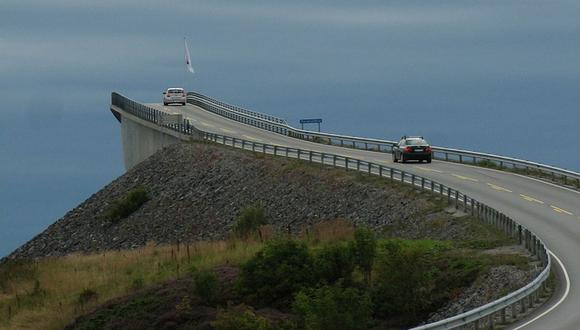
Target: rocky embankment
{"points": [[197, 191]]}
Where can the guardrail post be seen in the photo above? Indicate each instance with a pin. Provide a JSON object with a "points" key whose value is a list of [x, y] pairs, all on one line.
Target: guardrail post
{"points": [[264, 148], [456, 200], [391, 174], [287, 152], [432, 186], [346, 161], [422, 183], [472, 207], [460, 158], [381, 171], [358, 165], [310, 156], [448, 195], [446, 157], [503, 315], [413, 180], [334, 160], [275, 150], [464, 203], [370, 168], [490, 323], [366, 146], [402, 176], [299, 151]]}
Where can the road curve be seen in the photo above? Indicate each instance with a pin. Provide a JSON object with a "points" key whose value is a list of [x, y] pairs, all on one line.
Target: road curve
{"points": [[551, 211]]}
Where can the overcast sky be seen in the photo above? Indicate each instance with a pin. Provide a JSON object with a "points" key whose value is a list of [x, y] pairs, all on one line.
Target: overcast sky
{"points": [[494, 76]]}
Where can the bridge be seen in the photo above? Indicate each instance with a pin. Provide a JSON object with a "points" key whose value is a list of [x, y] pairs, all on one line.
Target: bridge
{"points": [[532, 202]]}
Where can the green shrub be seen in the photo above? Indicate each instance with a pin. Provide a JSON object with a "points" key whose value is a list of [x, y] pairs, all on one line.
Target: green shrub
{"points": [[364, 249], [206, 286], [125, 206], [334, 262], [250, 221], [239, 318], [414, 278], [276, 273], [333, 307]]}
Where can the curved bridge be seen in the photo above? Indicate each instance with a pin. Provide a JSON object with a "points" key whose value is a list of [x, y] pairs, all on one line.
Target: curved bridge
{"points": [[550, 210]]}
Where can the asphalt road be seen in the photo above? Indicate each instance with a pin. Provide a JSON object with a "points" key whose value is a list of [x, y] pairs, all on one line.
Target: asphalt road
{"points": [[551, 211]]}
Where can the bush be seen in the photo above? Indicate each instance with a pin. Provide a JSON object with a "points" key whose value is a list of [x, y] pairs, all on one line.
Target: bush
{"points": [[206, 286], [250, 221], [412, 277], [334, 262], [239, 318], [125, 206], [364, 249], [333, 307], [276, 273]]}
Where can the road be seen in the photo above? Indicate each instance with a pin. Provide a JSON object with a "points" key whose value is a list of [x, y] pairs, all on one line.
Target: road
{"points": [[551, 211]]}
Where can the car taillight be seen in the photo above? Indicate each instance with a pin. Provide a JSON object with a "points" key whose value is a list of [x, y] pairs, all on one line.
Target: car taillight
{"points": [[408, 149], [428, 149]]}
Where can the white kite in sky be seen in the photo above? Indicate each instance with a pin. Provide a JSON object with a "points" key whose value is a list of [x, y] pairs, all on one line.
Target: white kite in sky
{"points": [[187, 58]]}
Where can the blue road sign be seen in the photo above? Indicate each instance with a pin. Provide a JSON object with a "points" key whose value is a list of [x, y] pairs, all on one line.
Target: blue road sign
{"points": [[310, 121]]}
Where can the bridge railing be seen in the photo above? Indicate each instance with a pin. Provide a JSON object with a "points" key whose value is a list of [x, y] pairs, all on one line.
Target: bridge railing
{"points": [[555, 174], [236, 108], [485, 316]]}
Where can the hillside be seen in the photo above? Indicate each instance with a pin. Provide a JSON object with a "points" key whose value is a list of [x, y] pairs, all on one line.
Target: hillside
{"points": [[196, 192], [92, 270]]}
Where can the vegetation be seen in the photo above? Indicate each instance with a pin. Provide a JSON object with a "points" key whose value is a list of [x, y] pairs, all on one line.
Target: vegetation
{"points": [[250, 221], [410, 279], [333, 307], [125, 206], [276, 273], [240, 318], [206, 286]]}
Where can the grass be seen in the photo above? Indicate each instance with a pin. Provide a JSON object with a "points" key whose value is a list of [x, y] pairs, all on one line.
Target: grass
{"points": [[53, 291]]}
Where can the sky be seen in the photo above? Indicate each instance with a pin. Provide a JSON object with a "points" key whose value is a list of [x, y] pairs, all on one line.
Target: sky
{"points": [[495, 76]]}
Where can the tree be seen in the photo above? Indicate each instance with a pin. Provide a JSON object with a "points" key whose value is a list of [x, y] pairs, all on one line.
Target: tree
{"points": [[364, 249]]}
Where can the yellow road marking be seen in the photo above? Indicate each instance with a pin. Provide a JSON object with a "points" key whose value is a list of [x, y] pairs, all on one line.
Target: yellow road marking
{"points": [[206, 124], [560, 210], [429, 169], [531, 199], [465, 178], [228, 130], [498, 188], [251, 138]]}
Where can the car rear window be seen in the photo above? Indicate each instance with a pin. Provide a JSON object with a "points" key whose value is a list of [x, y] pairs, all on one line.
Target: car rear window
{"points": [[415, 142], [175, 91]]}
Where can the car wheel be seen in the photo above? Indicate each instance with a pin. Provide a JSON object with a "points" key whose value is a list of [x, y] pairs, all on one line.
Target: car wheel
{"points": [[428, 160], [403, 160], [164, 103], [183, 103]]}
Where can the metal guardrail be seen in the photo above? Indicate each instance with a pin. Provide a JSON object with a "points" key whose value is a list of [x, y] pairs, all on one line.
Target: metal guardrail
{"points": [[238, 109], [555, 174], [481, 316]]}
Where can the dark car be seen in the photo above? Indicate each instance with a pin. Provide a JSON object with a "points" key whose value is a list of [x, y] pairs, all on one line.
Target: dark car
{"points": [[412, 148]]}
